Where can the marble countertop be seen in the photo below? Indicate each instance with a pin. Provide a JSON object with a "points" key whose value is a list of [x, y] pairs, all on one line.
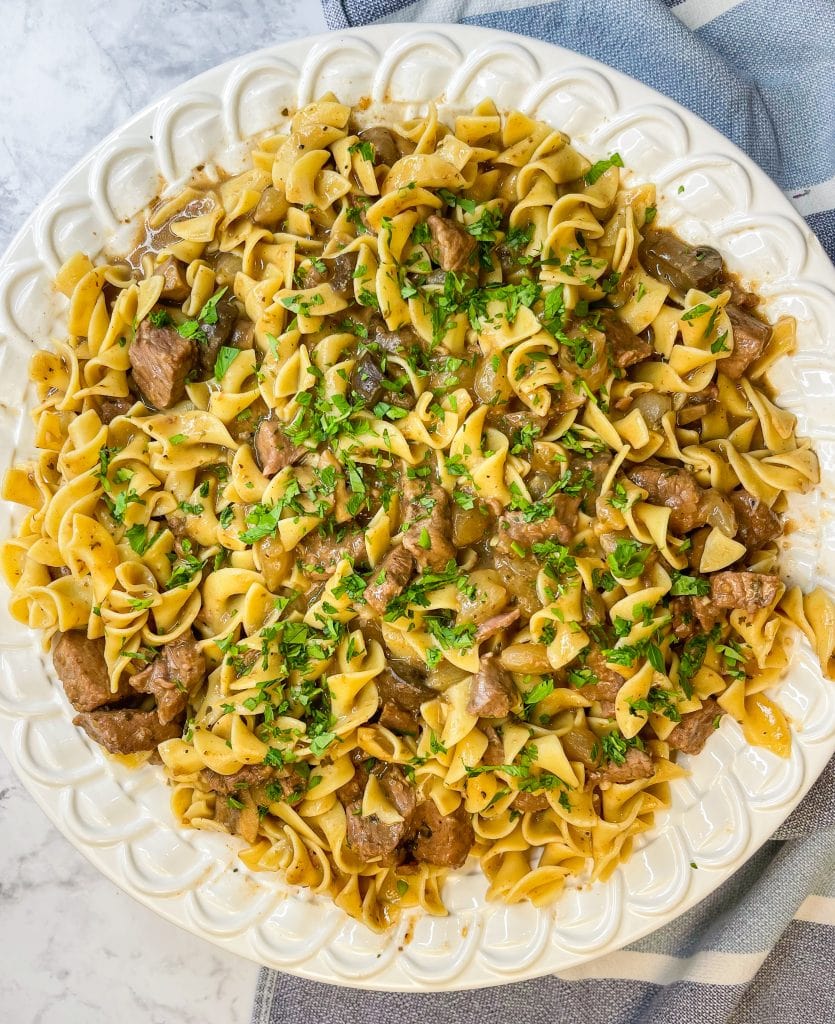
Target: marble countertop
{"points": [[76, 950]]}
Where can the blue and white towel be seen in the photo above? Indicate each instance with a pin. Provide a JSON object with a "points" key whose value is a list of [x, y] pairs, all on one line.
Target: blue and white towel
{"points": [[760, 950]]}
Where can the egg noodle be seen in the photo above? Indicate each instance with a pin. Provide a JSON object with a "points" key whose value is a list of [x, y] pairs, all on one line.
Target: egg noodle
{"points": [[464, 524]]}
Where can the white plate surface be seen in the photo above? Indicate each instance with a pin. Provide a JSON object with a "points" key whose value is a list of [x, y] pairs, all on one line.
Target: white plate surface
{"points": [[735, 797]]}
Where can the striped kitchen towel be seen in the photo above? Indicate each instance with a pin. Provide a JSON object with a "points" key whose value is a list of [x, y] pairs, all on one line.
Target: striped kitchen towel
{"points": [[761, 949]]}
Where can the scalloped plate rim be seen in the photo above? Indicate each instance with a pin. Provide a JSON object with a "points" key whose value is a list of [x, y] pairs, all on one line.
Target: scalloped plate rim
{"points": [[107, 859]]}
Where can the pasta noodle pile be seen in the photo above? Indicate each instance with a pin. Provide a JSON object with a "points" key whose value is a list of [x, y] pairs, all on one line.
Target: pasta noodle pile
{"points": [[411, 495]]}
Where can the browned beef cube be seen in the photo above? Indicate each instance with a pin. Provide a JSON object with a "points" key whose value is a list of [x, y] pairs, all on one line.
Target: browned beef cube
{"points": [[126, 731], [756, 523], [694, 729], [175, 287], [746, 590], [429, 538], [674, 487], [217, 335], [625, 345], [82, 669], [390, 579], [495, 624], [110, 408], [637, 765], [161, 360], [384, 141], [172, 676], [751, 336], [516, 531], [451, 246], [492, 692], [273, 448], [442, 840]]}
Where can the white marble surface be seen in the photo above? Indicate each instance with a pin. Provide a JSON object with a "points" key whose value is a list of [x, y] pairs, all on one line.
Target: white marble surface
{"points": [[75, 949]]}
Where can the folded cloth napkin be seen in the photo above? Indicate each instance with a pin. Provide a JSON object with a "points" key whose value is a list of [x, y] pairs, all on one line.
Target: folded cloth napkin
{"points": [[761, 949]]}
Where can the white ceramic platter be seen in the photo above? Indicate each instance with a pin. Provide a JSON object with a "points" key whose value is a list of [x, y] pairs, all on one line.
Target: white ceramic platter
{"points": [[735, 797]]}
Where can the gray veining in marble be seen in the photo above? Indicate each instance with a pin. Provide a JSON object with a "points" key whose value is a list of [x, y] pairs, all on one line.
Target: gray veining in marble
{"points": [[75, 950]]}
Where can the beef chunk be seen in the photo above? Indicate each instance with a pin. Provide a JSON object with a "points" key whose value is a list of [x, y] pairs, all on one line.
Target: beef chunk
{"points": [[625, 346], [80, 665], [638, 765], [674, 487], [756, 523], [679, 264], [319, 553], [494, 752], [451, 246], [273, 448], [429, 538], [746, 590], [217, 335], [384, 141], [110, 408], [751, 336], [492, 691], [495, 624], [692, 615], [174, 674], [401, 695], [692, 732], [175, 287], [228, 785], [698, 405], [126, 731], [353, 789], [390, 579], [369, 837], [515, 529], [605, 689], [442, 840], [161, 359]]}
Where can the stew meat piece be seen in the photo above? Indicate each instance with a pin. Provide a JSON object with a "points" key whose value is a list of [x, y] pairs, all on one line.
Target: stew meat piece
{"points": [[494, 753], [675, 488], [693, 615], [161, 360], [608, 683], [319, 553], [746, 590], [369, 837], [756, 523], [175, 287], [80, 665], [442, 840], [750, 338], [495, 624], [401, 695], [217, 335], [125, 731], [492, 691], [679, 264], [428, 537], [110, 408], [513, 528], [451, 246], [637, 765], [626, 346], [273, 448], [692, 732], [390, 580], [172, 676]]}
